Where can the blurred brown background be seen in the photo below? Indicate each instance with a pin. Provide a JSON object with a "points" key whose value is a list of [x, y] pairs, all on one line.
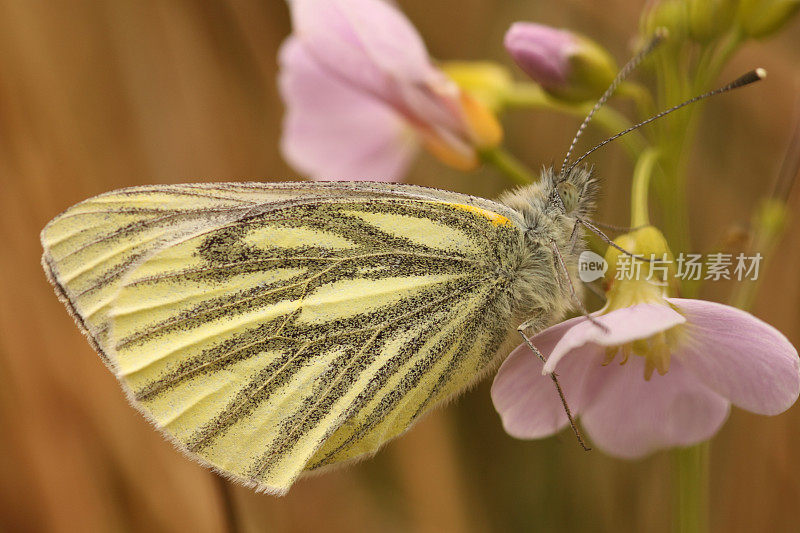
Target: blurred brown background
{"points": [[96, 95]]}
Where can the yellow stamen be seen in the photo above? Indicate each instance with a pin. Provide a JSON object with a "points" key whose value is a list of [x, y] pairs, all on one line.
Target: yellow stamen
{"points": [[648, 369], [655, 350], [659, 353], [611, 353], [626, 353], [640, 347]]}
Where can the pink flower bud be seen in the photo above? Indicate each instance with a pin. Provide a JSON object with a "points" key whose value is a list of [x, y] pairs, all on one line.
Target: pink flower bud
{"points": [[567, 65]]}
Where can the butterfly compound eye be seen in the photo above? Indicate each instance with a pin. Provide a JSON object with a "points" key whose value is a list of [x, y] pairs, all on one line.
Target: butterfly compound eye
{"points": [[569, 195]]}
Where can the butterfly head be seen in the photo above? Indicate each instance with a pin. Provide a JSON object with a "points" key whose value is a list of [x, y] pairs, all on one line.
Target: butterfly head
{"points": [[573, 192], [555, 202], [550, 212]]}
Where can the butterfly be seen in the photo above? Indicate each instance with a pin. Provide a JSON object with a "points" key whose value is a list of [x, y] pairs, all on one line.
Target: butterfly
{"points": [[273, 329]]}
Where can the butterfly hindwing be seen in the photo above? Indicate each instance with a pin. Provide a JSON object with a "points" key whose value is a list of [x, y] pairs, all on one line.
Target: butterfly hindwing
{"points": [[272, 329]]}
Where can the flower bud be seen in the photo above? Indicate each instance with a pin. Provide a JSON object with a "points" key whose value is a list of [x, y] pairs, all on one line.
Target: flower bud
{"points": [[567, 65], [669, 14], [709, 19], [760, 18]]}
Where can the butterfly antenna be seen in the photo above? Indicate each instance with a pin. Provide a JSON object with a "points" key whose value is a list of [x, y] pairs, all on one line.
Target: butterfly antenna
{"points": [[746, 79], [660, 35], [553, 376], [606, 239], [613, 227]]}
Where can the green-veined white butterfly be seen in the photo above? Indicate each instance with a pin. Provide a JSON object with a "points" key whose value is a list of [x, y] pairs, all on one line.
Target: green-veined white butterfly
{"points": [[269, 329]]}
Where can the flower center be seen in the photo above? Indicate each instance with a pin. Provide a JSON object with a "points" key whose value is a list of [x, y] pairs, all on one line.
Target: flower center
{"points": [[647, 284], [655, 350]]}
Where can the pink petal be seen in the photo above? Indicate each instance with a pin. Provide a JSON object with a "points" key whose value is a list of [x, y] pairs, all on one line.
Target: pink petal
{"points": [[526, 400], [739, 356], [332, 131], [629, 417], [368, 43], [435, 106], [542, 52], [624, 325]]}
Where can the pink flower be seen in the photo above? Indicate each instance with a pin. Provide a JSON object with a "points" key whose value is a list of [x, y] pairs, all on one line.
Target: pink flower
{"points": [[362, 94], [707, 356], [567, 65]]}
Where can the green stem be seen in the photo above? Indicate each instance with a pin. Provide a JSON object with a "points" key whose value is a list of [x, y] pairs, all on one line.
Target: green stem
{"points": [[671, 190], [640, 213], [529, 95], [730, 44], [509, 165], [690, 466], [672, 137], [769, 224], [643, 98], [676, 134]]}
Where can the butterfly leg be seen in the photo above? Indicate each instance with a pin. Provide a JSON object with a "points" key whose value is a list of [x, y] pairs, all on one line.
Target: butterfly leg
{"points": [[521, 329], [565, 274], [597, 292], [573, 237]]}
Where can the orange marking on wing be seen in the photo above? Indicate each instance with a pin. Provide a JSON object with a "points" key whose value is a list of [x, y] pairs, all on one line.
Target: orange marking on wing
{"points": [[496, 219]]}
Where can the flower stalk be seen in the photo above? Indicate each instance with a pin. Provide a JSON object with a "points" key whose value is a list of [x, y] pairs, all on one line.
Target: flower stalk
{"points": [[640, 205], [690, 481], [531, 96], [508, 165]]}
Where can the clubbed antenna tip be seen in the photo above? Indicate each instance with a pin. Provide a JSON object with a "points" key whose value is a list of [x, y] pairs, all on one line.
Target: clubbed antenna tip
{"points": [[753, 76], [747, 78]]}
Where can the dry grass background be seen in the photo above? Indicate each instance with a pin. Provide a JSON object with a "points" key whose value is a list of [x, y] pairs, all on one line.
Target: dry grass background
{"points": [[96, 95]]}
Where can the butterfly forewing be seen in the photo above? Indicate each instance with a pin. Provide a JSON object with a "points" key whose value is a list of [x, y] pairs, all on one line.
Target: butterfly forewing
{"points": [[271, 329]]}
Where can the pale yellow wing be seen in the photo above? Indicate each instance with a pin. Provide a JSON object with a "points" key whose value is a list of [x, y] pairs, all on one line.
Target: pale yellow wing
{"points": [[270, 330]]}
